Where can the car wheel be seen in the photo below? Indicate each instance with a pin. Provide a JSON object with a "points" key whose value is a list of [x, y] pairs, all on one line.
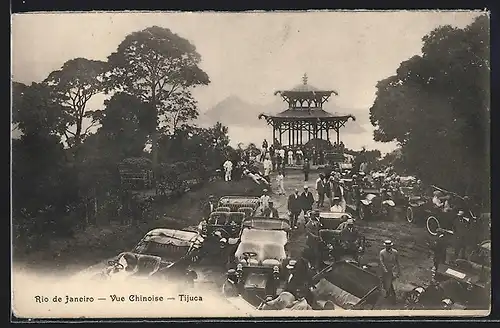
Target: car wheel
{"points": [[362, 212], [409, 214], [412, 300], [433, 225]]}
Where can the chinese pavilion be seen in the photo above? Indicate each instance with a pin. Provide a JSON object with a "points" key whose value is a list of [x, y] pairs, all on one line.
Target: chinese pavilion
{"points": [[305, 119]]}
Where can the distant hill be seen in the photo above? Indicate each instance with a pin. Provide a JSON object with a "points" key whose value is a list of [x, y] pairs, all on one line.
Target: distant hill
{"points": [[234, 111]]}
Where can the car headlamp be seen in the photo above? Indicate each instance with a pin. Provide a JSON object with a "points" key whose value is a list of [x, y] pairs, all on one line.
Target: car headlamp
{"points": [[447, 303], [239, 267]]}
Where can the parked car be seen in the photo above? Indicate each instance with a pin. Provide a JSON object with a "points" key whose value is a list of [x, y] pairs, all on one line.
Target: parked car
{"points": [[346, 285], [258, 264], [375, 203], [165, 253], [459, 284]]}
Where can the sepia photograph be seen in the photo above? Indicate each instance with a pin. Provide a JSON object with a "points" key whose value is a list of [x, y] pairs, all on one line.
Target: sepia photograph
{"points": [[250, 164]]}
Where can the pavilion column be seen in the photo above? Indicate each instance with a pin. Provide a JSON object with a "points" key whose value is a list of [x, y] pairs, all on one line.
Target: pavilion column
{"points": [[338, 134], [289, 133], [328, 131], [274, 134], [301, 129]]}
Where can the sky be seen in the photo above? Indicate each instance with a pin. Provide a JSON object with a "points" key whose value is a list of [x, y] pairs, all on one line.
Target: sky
{"points": [[249, 55]]}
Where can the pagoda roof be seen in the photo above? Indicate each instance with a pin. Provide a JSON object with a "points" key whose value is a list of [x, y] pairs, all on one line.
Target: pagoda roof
{"points": [[313, 113], [305, 88]]}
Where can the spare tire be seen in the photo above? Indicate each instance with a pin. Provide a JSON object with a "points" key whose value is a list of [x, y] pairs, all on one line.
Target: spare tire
{"points": [[433, 225]]}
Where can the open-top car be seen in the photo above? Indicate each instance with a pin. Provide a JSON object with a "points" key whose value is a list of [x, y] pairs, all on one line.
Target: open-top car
{"points": [[330, 220], [236, 202], [258, 263], [373, 202], [335, 246], [165, 253], [345, 285], [460, 284], [220, 232]]}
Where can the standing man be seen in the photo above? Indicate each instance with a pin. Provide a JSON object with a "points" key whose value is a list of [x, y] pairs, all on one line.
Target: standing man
{"points": [[209, 206], [439, 251], [389, 262], [264, 200], [228, 168], [306, 168], [264, 150], [280, 180], [271, 211], [294, 208], [320, 189], [461, 231], [312, 231], [342, 194], [290, 156], [268, 166], [306, 200]]}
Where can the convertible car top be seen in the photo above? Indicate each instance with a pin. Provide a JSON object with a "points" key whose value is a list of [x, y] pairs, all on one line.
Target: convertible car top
{"points": [[181, 238], [264, 223], [347, 286], [254, 235]]}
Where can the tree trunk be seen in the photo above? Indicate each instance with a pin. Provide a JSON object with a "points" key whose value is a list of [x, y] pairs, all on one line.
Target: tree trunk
{"points": [[154, 138]]}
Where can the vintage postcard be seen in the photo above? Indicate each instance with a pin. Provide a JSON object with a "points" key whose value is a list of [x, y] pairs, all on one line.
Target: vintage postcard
{"points": [[253, 164]]}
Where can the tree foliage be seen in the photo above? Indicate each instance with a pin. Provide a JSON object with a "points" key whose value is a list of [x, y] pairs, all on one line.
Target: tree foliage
{"points": [[436, 107], [158, 67], [72, 87], [34, 111]]}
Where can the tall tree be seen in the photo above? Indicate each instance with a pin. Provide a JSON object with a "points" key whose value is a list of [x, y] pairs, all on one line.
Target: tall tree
{"points": [[437, 108], [124, 126], [158, 67], [34, 111], [73, 86]]}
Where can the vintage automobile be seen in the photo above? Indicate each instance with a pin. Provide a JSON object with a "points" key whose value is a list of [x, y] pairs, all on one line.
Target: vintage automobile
{"points": [[345, 285], [164, 253], [459, 284], [258, 264], [220, 233], [334, 247], [236, 202], [375, 203], [330, 220]]}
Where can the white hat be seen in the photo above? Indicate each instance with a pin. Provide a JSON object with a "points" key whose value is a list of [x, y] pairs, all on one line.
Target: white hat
{"points": [[306, 187], [388, 243]]}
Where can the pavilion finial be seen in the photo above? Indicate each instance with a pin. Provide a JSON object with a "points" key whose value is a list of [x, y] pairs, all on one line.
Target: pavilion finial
{"points": [[304, 78]]}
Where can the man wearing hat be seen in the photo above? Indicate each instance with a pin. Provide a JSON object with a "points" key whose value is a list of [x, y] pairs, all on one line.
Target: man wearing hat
{"points": [[389, 263], [209, 206], [313, 240], [439, 251], [336, 207], [320, 189], [461, 230], [349, 235], [306, 199], [271, 211], [264, 200], [294, 208], [306, 168]]}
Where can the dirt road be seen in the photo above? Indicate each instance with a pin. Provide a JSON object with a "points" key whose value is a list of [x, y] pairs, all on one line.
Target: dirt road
{"points": [[410, 240]]}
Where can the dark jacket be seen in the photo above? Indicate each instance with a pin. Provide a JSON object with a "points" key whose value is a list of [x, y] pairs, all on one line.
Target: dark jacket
{"points": [[306, 167], [271, 213], [294, 203], [306, 201]]}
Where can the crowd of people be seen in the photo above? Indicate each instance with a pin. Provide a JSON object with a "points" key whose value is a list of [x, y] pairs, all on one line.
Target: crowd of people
{"points": [[330, 194]]}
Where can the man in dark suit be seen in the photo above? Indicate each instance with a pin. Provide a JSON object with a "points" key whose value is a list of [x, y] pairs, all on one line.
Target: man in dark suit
{"points": [[209, 207], [294, 207], [306, 200]]}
